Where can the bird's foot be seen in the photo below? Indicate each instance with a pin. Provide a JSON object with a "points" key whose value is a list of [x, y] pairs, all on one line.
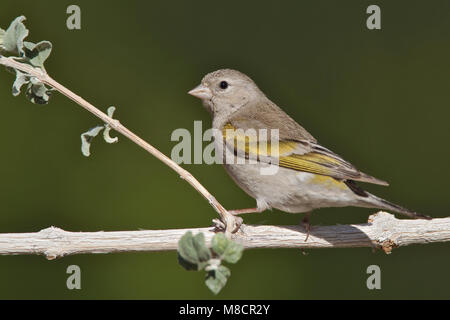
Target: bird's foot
{"points": [[232, 220], [307, 225]]}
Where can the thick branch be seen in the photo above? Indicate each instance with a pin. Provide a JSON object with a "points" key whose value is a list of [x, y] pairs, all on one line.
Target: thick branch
{"points": [[383, 231]]}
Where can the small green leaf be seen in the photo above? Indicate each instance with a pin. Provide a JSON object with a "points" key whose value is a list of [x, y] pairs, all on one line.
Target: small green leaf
{"points": [[203, 251], [193, 250], [110, 111], [219, 243], [186, 248], [12, 39], [227, 249], [21, 79], [86, 139], [29, 46], [233, 253], [37, 53], [194, 255], [2, 36], [216, 279], [106, 135], [37, 92]]}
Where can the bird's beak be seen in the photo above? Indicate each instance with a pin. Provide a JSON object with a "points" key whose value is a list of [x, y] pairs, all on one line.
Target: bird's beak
{"points": [[201, 92]]}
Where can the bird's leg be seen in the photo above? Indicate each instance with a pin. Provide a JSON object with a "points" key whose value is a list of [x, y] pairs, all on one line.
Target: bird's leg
{"points": [[306, 224], [221, 226], [244, 211]]}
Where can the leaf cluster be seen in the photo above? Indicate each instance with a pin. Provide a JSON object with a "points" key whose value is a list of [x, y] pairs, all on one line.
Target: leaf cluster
{"points": [[13, 45], [193, 254]]}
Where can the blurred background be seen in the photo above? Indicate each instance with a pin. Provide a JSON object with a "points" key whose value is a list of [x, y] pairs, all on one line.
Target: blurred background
{"points": [[379, 98]]}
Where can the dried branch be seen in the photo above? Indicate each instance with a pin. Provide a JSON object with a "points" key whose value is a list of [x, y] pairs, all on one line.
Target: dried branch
{"points": [[383, 231], [229, 220]]}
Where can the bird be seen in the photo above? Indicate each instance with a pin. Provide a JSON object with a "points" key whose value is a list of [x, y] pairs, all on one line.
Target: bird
{"points": [[308, 176]]}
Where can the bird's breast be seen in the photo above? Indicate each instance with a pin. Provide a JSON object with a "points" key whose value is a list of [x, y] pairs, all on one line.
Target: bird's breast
{"points": [[289, 190]]}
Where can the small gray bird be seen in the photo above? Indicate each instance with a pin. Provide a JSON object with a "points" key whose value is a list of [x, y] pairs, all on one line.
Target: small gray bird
{"points": [[309, 176]]}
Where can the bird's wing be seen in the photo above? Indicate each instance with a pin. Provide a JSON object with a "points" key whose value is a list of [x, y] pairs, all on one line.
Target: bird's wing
{"points": [[299, 155], [324, 162], [264, 114]]}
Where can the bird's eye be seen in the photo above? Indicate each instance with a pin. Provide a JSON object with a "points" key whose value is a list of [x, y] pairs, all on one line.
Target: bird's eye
{"points": [[223, 85]]}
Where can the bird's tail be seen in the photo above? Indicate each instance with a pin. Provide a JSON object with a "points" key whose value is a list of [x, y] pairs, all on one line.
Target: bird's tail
{"points": [[375, 202]]}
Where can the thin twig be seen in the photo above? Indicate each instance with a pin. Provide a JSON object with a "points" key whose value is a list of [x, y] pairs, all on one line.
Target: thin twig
{"points": [[226, 217], [383, 231]]}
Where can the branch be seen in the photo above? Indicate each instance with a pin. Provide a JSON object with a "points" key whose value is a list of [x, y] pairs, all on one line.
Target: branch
{"points": [[41, 75], [383, 231]]}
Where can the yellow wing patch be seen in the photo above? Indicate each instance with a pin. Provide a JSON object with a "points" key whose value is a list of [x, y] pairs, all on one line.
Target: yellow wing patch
{"points": [[295, 155], [327, 181], [248, 141], [311, 162]]}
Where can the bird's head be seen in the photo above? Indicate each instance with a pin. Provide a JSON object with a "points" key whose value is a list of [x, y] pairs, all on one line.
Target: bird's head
{"points": [[226, 91]]}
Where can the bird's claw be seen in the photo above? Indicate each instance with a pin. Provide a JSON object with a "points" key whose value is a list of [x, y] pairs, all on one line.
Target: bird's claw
{"points": [[218, 224], [237, 224], [222, 226]]}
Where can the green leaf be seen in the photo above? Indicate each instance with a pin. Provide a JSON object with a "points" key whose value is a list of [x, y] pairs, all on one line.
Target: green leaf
{"points": [[37, 53], [216, 279], [106, 135], [193, 253], [21, 79], [37, 92], [86, 139], [219, 243], [202, 250], [233, 253], [2, 36], [227, 249], [12, 39]]}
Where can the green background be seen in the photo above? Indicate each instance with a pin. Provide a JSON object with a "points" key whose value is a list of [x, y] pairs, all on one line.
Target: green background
{"points": [[379, 98]]}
